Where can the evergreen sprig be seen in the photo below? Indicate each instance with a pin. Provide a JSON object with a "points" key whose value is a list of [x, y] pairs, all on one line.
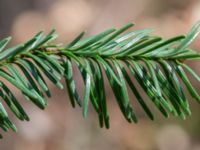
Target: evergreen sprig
{"points": [[156, 64]]}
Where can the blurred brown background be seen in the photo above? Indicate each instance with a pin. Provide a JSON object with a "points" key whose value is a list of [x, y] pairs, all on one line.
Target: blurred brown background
{"points": [[62, 128]]}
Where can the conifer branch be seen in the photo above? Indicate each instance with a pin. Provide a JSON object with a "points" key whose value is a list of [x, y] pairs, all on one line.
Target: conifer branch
{"points": [[156, 64]]}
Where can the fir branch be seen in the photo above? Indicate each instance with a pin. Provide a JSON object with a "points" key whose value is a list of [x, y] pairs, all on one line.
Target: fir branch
{"points": [[156, 64]]}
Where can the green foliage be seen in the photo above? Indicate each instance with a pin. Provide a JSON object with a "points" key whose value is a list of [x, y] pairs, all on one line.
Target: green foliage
{"points": [[156, 64]]}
